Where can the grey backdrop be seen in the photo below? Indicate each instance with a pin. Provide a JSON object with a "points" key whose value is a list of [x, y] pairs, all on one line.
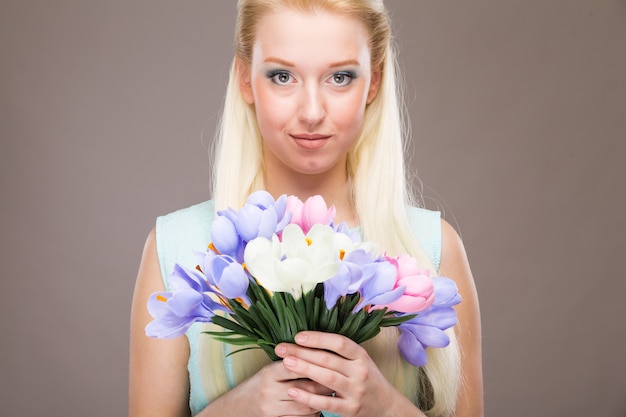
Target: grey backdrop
{"points": [[519, 120]]}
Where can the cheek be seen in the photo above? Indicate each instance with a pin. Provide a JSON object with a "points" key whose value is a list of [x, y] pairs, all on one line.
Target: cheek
{"points": [[266, 104], [348, 113]]}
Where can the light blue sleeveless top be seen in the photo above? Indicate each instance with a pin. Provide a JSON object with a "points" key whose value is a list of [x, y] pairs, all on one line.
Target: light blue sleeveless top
{"points": [[181, 233]]}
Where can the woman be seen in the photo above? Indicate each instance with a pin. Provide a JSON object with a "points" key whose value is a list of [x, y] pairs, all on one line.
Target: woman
{"points": [[311, 109]]}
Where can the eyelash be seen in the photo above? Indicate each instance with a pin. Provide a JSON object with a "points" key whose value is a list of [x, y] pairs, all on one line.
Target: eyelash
{"points": [[273, 76], [347, 74]]}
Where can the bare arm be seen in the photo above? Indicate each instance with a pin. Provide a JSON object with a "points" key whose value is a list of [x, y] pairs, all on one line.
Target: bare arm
{"points": [[159, 382], [454, 264]]}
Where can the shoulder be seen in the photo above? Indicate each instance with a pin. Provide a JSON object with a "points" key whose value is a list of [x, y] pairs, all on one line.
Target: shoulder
{"points": [[196, 213], [427, 228], [453, 255], [190, 220]]}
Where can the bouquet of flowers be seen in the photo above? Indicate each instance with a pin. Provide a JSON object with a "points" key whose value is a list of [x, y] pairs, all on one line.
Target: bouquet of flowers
{"points": [[278, 267]]}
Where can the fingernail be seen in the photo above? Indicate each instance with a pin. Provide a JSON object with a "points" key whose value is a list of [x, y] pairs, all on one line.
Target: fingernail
{"points": [[293, 393], [280, 349], [290, 362], [301, 338]]}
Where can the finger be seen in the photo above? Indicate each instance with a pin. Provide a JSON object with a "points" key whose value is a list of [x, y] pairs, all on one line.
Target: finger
{"points": [[311, 386], [314, 401], [276, 371], [293, 408], [326, 350], [334, 379], [321, 358], [336, 343]]}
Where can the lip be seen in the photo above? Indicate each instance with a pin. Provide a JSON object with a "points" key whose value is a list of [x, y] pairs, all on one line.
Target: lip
{"points": [[310, 141], [309, 136]]}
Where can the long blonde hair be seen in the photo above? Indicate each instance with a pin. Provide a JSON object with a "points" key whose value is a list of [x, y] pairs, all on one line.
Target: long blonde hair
{"points": [[376, 169]]}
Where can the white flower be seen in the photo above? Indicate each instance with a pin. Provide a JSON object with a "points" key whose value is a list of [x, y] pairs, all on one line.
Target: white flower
{"points": [[296, 264]]}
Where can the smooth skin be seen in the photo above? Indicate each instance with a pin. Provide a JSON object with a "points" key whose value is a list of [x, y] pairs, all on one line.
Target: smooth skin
{"points": [[316, 69], [309, 80]]}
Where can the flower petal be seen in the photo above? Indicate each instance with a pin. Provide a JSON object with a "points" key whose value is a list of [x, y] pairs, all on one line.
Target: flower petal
{"points": [[224, 235], [261, 198], [169, 329], [182, 278], [412, 350], [428, 335], [248, 221], [315, 211]]}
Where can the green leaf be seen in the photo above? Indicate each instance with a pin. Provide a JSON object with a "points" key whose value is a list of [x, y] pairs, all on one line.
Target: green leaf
{"points": [[393, 320], [269, 315], [243, 349], [231, 325], [299, 313]]}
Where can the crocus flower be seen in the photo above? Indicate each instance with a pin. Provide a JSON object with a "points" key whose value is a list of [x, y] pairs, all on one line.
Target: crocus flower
{"points": [[313, 211], [378, 286], [419, 292], [337, 286], [295, 264], [225, 275], [261, 216], [224, 236], [349, 277], [428, 328], [175, 311]]}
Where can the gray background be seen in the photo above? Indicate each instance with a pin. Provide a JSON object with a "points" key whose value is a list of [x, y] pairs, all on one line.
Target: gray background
{"points": [[107, 109]]}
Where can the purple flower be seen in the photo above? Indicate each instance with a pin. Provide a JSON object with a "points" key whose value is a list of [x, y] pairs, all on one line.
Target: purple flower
{"points": [[337, 286], [349, 277], [224, 236], [225, 275], [175, 311], [428, 328], [360, 272], [261, 216], [379, 280]]}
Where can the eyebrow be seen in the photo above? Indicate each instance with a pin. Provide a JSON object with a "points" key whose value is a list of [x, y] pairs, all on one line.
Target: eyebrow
{"points": [[291, 64]]}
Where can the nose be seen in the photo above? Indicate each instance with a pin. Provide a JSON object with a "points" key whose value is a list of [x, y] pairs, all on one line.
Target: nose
{"points": [[312, 106]]}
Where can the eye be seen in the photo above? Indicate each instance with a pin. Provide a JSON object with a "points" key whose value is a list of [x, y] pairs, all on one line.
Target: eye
{"points": [[342, 78], [280, 77]]}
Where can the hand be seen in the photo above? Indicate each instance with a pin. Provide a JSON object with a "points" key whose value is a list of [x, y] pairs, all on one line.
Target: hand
{"points": [[265, 394], [343, 366]]}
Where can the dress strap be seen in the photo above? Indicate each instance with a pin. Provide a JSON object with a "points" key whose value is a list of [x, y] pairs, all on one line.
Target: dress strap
{"points": [[426, 226]]}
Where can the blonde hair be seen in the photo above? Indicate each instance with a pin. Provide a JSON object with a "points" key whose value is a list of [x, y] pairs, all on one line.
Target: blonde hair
{"points": [[380, 196]]}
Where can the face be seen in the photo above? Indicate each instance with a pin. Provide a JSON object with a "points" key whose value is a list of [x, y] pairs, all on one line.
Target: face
{"points": [[309, 80]]}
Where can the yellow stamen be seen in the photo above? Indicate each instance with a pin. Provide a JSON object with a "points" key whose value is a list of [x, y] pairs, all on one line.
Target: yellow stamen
{"points": [[223, 301], [161, 298], [342, 253], [241, 301], [308, 241], [213, 248]]}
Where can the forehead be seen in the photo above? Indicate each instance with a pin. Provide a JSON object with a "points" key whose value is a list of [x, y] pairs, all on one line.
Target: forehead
{"points": [[293, 35]]}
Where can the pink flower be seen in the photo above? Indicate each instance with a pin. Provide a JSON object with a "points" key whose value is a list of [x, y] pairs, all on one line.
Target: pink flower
{"points": [[313, 211], [419, 293]]}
